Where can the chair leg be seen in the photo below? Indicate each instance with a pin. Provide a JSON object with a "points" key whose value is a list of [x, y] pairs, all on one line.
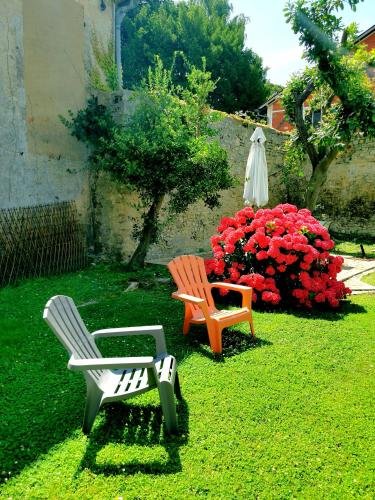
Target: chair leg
{"points": [[187, 319], [215, 337], [168, 406], [177, 387], [251, 325], [93, 402]]}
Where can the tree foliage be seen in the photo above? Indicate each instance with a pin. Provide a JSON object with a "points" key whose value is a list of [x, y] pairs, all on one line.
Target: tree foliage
{"points": [[337, 87], [196, 28], [165, 147]]}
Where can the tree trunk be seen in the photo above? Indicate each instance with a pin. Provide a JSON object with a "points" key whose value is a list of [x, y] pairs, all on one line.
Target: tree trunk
{"points": [[318, 179], [148, 232]]}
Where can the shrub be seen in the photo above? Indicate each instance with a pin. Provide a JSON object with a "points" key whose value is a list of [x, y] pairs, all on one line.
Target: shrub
{"points": [[282, 253]]}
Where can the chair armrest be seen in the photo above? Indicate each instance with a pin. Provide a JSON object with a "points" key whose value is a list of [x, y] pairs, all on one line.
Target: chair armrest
{"points": [[188, 298], [245, 291], [168, 369], [155, 331], [101, 363]]}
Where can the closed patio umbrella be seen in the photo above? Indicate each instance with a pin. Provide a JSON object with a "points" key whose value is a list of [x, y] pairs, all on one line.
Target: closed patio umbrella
{"points": [[256, 179]]}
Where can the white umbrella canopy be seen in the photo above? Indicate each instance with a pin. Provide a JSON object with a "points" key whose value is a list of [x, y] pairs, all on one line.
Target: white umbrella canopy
{"points": [[256, 178]]}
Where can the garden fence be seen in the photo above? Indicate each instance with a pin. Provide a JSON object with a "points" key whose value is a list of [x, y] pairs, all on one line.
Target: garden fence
{"points": [[40, 241]]}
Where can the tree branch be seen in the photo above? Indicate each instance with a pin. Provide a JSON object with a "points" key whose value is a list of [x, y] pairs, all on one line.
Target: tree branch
{"points": [[306, 92], [318, 178], [344, 37], [328, 158], [301, 126]]}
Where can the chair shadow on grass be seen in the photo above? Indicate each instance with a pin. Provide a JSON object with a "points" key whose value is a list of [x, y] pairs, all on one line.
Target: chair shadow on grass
{"points": [[234, 342], [135, 430]]}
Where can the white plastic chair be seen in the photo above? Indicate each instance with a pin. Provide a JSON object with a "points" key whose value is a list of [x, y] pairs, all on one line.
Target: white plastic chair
{"points": [[111, 379]]}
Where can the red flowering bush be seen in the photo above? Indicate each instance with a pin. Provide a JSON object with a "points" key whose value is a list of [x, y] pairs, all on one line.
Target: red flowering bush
{"points": [[282, 253]]}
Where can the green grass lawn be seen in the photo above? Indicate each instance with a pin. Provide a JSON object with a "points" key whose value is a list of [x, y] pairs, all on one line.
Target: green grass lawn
{"points": [[353, 249], [290, 416], [369, 278]]}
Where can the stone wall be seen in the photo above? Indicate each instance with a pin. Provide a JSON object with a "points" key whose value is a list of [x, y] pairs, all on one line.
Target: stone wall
{"points": [[348, 199], [44, 60]]}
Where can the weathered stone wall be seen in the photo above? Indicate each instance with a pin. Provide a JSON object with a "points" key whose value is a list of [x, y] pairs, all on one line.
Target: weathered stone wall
{"points": [[348, 198], [44, 58]]}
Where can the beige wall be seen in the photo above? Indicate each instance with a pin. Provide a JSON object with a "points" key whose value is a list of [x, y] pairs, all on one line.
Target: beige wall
{"points": [[45, 57], [55, 79], [57, 58]]}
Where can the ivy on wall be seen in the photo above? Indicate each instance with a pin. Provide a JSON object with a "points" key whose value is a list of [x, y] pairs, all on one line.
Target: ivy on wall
{"points": [[103, 76]]}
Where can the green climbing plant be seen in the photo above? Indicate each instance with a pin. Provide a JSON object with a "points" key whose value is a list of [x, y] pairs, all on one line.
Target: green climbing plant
{"points": [[103, 76]]}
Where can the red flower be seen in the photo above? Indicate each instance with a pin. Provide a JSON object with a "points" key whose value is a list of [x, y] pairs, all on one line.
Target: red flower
{"points": [[261, 255], [219, 268], [247, 212], [225, 223], [234, 274], [319, 297], [215, 240], [274, 298], [210, 265], [303, 265], [291, 259], [229, 248], [270, 270], [219, 254]]}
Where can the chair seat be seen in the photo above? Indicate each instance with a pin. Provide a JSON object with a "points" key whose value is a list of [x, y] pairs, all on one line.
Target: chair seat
{"points": [[126, 383], [219, 315]]}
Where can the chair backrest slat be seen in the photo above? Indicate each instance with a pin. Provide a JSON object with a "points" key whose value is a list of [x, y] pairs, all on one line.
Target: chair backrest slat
{"points": [[64, 319], [197, 265], [206, 287], [195, 276], [179, 275], [189, 274]]}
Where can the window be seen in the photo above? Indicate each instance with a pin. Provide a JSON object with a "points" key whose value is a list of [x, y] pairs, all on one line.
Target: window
{"points": [[316, 118]]}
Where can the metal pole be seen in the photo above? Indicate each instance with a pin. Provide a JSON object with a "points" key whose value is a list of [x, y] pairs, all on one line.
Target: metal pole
{"points": [[119, 16], [121, 9]]}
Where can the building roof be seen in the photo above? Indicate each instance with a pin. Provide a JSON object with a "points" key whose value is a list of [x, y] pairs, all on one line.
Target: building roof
{"points": [[366, 33], [274, 97]]}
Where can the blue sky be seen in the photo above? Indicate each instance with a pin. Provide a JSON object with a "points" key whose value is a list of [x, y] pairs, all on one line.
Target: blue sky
{"points": [[271, 38]]}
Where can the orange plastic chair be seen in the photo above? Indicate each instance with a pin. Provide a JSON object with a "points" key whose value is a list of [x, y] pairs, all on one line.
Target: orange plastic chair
{"points": [[194, 290]]}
